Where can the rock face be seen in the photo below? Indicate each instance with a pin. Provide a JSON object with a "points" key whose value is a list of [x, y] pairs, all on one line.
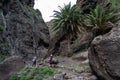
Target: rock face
{"points": [[85, 5], [104, 55], [55, 44], [25, 32], [10, 66], [55, 39], [83, 42]]}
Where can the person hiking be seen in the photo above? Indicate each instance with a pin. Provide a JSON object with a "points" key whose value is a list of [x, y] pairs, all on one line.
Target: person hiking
{"points": [[34, 61], [52, 61]]}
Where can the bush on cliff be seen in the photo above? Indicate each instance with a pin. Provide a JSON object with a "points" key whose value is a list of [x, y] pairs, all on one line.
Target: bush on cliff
{"points": [[101, 16]]}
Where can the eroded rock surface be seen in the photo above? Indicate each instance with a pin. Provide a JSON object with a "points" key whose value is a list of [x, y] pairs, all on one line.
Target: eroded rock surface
{"points": [[25, 30], [104, 55], [85, 5]]}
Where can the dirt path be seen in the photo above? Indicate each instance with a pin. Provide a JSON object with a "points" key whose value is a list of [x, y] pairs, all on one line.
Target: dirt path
{"points": [[75, 66]]}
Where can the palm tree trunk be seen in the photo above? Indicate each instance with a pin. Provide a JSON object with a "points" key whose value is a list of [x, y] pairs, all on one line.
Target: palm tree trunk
{"points": [[69, 48]]}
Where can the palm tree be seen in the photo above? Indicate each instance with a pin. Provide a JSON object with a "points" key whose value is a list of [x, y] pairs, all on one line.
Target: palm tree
{"points": [[100, 17], [68, 20]]}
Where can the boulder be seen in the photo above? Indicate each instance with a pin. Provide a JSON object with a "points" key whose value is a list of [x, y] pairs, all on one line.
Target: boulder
{"points": [[104, 55], [59, 76], [25, 31], [10, 66]]}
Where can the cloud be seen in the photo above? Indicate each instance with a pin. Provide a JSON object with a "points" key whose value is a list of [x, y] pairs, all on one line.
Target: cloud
{"points": [[48, 6]]}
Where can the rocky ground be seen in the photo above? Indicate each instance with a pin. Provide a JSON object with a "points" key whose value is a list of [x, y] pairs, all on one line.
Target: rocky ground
{"points": [[69, 68], [75, 67]]}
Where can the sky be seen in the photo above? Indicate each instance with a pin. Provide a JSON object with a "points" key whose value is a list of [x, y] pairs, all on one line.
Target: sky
{"points": [[48, 6]]}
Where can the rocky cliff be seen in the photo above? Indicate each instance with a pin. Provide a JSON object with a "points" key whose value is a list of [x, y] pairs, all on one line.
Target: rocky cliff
{"points": [[25, 32]]}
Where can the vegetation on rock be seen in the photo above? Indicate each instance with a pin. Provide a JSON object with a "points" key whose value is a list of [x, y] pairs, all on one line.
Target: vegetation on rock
{"points": [[71, 21], [100, 16]]}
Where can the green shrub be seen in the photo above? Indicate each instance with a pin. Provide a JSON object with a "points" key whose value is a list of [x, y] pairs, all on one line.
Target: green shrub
{"points": [[3, 57], [115, 3], [101, 16], [1, 27], [33, 11], [30, 73]]}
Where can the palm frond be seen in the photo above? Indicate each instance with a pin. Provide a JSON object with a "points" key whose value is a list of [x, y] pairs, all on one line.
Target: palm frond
{"points": [[99, 16], [68, 19]]}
